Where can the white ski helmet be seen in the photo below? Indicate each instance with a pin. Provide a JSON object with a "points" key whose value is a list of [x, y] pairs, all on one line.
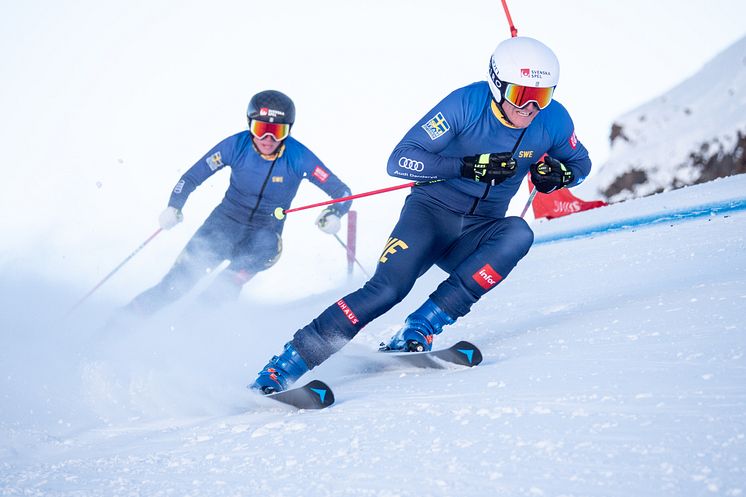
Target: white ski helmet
{"points": [[522, 61]]}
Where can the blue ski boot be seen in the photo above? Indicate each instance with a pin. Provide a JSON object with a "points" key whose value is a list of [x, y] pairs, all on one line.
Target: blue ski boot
{"points": [[419, 329], [280, 371]]}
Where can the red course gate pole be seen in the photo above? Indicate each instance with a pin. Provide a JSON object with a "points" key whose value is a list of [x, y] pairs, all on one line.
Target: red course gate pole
{"points": [[351, 240], [513, 30]]}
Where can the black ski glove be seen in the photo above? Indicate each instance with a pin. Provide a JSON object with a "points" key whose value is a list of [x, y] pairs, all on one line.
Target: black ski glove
{"points": [[550, 174], [489, 168]]}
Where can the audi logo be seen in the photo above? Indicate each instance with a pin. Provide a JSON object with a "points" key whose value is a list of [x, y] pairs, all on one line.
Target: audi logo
{"points": [[411, 164]]}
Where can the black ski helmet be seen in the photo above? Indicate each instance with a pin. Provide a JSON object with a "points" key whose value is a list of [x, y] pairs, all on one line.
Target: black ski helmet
{"points": [[271, 106]]}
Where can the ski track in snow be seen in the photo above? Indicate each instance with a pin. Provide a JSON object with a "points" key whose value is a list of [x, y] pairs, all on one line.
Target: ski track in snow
{"points": [[613, 366]]}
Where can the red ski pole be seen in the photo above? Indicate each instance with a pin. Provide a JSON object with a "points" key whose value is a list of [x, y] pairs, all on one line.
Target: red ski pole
{"points": [[83, 299], [280, 212]]}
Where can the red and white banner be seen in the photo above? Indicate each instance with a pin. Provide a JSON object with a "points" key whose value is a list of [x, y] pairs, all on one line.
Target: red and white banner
{"points": [[560, 203]]}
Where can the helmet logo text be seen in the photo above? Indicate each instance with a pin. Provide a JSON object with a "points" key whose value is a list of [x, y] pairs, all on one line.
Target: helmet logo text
{"points": [[266, 111], [527, 72]]}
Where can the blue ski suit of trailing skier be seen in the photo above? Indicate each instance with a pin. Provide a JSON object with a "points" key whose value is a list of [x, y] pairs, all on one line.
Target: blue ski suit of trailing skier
{"points": [[242, 228], [457, 224], [473, 150]]}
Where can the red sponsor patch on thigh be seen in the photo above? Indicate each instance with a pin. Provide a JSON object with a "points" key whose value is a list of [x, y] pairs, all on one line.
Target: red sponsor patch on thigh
{"points": [[487, 277], [347, 311]]}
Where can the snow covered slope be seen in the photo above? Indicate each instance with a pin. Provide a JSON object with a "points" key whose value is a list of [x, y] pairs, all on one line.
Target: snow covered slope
{"points": [[614, 366], [693, 133]]}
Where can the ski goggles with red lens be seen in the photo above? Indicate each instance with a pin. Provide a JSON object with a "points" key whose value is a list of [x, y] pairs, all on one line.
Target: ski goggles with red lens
{"points": [[521, 96], [260, 129]]}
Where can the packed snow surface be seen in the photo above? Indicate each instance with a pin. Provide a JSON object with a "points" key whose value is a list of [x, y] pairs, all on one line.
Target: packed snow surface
{"points": [[614, 366]]}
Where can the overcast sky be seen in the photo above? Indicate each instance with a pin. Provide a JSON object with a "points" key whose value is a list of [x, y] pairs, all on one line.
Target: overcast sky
{"points": [[105, 104]]}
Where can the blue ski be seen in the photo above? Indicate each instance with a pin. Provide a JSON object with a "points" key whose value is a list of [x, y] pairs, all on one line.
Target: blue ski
{"points": [[463, 353], [313, 395]]}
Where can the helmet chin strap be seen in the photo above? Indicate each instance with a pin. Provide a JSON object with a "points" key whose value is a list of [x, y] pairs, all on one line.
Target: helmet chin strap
{"points": [[274, 155], [500, 114], [496, 107]]}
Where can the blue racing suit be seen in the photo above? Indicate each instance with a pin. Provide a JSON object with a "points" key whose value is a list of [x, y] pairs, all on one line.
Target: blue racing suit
{"points": [[242, 228], [458, 224]]}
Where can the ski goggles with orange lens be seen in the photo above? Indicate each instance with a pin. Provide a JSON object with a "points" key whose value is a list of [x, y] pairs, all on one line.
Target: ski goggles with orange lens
{"points": [[260, 129], [521, 96]]}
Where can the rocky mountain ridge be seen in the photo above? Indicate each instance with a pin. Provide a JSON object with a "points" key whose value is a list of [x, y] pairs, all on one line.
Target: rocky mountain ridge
{"points": [[693, 133]]}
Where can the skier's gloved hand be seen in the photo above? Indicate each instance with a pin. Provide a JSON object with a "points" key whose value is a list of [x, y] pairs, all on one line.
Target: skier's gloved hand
{"points": [[329, 221], [489, 168], [549, 175], [170, 218]]}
